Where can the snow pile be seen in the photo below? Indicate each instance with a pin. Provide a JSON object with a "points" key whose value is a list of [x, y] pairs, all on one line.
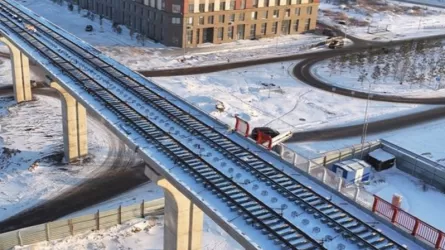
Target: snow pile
{"points": [[414, 69]]}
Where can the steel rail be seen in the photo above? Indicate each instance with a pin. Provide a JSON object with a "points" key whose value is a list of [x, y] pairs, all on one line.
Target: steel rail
{"points": [[265, 178], [110, 101]]}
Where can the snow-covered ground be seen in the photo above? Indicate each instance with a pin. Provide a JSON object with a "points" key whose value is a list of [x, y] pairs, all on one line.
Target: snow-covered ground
{"points": [[289, 105], [440, 3], [389, 20], [33, 131], [393, 73], [156, 56], [418, 198], [135, 234], [213, 236]]}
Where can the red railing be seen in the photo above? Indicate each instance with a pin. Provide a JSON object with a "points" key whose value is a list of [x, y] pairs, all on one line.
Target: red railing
{"points": [[263, 138], [242, 126], [412, 224]]}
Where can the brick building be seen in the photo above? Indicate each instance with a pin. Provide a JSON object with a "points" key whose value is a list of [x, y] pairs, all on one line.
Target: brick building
{"points": [[191, 22]]}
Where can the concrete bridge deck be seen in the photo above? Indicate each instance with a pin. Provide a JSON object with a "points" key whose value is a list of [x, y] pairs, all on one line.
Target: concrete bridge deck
{"points": [[255, 196]]}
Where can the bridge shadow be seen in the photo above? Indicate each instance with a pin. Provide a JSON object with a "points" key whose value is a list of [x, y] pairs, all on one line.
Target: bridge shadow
{"points": [[90, 192]]}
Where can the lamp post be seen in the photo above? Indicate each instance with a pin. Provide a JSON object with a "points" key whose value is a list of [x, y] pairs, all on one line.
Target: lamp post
{"points": [[365, 120], [187, 28]]}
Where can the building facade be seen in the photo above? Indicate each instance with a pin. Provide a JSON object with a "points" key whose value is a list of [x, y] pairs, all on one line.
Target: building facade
{"points": [[191, 22]]}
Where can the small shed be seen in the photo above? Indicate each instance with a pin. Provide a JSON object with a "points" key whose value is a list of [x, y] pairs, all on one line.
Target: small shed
{"points": [[352, 171], [380, 159]]}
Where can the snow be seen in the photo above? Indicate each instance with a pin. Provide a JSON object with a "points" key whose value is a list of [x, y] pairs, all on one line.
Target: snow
{"points": [[438, 3], [389, 20], [156, 56], [289, 105], [75, 23], [35, 130], [144, 233], [381, 155], [418, 198], [203, 196]]}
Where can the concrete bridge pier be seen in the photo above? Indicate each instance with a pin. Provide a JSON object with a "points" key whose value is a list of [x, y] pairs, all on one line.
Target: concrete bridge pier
{"points": [[75, 132], [20, 73], [183, 220]]}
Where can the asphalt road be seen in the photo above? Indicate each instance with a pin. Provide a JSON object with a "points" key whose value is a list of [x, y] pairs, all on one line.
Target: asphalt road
{"points": [[120, 172]]}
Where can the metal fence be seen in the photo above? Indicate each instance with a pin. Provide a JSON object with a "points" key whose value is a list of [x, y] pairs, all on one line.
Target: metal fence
{"points": [[430, 172], [68, 227], [357, 151], [410, 223]]}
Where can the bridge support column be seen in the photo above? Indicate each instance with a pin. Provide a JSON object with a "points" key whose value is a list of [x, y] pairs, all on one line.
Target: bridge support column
{"points": [[74, 121], [183, 220], [20, 73]]}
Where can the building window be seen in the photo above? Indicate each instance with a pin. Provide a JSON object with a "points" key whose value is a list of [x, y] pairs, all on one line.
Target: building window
{"points": [[230, 32], [252, 30], [297, 11], [243, 4], [298, 1], [296, 24], [241, 17], [277, 2], [190, 21], [201, 7], [176, 20], [220, 33], [201, 20], [232, 5], [266, 3], [309, 10], [255, 4], [289, 2], [222, 6], [232, 18], [311, 1], [287, 13], [274, 27], [307, 25], [162, 5], [276, 13], [210, 20], [189, 36], [191, 8], [254, 15], [263, 28], [265, 14], [221, 18], [211, 7]]}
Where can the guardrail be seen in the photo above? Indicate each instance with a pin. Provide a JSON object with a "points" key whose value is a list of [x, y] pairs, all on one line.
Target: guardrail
{"points": [[62, 228], [408, 222]]}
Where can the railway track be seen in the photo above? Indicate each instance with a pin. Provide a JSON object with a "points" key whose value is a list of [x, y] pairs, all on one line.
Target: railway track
{"points": [[253, 210], [275, 227]]}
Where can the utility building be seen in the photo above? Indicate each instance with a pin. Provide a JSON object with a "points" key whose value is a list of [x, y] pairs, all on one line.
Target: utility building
{"points": [[191, 22]]}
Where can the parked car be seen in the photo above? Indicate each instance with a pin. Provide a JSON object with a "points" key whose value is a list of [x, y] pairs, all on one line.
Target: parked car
{"points": [[266, 130], [89, 28]]}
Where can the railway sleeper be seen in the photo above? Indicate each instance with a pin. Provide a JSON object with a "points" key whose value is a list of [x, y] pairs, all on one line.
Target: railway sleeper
{"points": [[339, 216], [370, 236], [332, 212], [387, 246], [377, 240]]}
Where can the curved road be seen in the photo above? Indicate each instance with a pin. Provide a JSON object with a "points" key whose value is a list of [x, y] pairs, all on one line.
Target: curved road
{"points": [[119, 173]]}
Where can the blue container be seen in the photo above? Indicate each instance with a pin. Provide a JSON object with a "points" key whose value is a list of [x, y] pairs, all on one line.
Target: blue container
{"points": [[352, 171]]}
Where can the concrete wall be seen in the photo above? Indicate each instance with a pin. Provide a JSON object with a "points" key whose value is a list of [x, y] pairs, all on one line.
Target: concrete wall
{"points": [[63, 228]]}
